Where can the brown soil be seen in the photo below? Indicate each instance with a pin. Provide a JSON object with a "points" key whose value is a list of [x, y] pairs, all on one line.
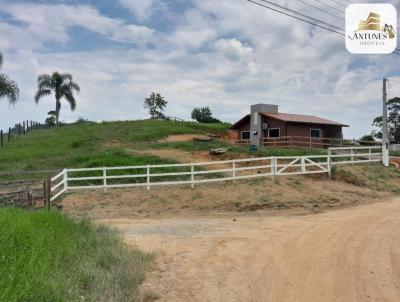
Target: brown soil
{"points": [[345, 255], [312, 194], [193, 156], [258, 240], [183, 137]]}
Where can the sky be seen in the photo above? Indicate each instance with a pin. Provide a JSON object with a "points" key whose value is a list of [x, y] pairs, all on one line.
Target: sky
{"points": [[225, 54]]}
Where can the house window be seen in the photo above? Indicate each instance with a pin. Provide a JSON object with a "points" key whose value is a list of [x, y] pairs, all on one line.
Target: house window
{"points": [[245, 135], [274, 132], [315, 133]]}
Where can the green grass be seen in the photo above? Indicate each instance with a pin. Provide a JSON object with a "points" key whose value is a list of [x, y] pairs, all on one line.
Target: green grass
{"points": [[124, 143], [92, 144], [395, 153], [46, 256]]}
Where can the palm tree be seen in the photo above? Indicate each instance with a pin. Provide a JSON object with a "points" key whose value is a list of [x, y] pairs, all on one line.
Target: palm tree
{"points": [[8, 88], [61, 85]]}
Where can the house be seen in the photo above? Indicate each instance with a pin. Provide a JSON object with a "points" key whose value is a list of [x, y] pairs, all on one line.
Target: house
{"points": [[265, 125]]}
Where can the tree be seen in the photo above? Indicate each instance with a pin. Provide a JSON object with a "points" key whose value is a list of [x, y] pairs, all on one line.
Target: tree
{"points": [[8, 88], [61, 85], [204, 115], [393, 121], [51, 119], [156, 104]]}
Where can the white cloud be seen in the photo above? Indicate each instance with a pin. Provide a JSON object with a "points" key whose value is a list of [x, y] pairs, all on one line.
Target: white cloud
{"points": [[224, 54], [141, 8], [233, 49], [51, 23]]}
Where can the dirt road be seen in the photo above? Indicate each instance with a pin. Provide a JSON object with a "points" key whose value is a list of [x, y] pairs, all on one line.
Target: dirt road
{"points": [[343, 255]]}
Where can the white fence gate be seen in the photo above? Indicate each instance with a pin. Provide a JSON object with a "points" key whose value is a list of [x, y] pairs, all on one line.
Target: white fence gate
{"points": [[195, 173]]}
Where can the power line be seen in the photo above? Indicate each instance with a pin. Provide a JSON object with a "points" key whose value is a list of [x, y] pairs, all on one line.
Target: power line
{"points": [[328, 5], [397, 50], [300, 14], [340, 3], [295, 17], [321, 10]]}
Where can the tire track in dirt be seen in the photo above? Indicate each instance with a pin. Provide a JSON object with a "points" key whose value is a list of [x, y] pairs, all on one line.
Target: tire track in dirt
{"points": [[344, 255]]}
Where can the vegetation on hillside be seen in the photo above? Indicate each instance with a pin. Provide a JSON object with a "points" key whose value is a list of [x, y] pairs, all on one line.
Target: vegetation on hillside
{"points": [[203, 115], [156, 105], [8, 88], [393, 121], [63, 87], [46, 256], [130, 143], [88, 144]]}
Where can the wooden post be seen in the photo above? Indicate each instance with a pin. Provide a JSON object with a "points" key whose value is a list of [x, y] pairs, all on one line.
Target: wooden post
{"points": [[329, 163], [65, 178], [1, 138], [352, 156], [105, 179], [148, 177], [47, 192], [234, 170], [272, 160], [303, 164], [19, 129], [192, 176], [9, 133], [23, 123]]}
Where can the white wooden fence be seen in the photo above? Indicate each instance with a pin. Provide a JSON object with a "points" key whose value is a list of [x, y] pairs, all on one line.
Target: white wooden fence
{"points": [[195, 173]]}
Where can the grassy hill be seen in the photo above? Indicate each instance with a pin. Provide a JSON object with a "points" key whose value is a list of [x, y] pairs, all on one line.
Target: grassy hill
{"points": [[88, 144]]}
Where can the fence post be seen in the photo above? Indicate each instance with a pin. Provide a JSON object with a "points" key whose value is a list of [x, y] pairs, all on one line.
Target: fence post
{"points": [[369, 154], [19, 129], [105, 179], [192, 176], [329, 163], [65, 177], [1, 138], [234, 170], [47, 192], [352, 155], [272, 159], [148, 177], [9, 133], [303, 164]]}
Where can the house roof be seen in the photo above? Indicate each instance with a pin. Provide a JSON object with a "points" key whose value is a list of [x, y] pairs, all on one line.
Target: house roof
{"points": [[294, 118]]}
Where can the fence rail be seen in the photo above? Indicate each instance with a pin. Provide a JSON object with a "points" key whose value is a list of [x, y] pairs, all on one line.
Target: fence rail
{"points": [[196, 173], [303, 142]]}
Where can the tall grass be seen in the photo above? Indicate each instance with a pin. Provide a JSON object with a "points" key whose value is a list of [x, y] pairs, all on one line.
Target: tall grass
{"points": [[46, 256]]}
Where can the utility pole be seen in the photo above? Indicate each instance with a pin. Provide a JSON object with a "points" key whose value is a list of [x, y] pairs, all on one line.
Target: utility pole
{"points": [[385, 136]]}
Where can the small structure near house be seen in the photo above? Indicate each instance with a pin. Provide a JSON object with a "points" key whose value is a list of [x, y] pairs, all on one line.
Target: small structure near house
{"points": [[266, 126]]}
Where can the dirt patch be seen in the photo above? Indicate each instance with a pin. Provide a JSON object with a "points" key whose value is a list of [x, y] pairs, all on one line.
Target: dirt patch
{"points": [[344, 255], [312, 194], [114, 144], [183, 137], [193, 156]]}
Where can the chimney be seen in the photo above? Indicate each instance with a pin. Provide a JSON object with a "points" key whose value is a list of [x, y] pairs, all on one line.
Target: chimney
{"points": [[256, 121]]}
